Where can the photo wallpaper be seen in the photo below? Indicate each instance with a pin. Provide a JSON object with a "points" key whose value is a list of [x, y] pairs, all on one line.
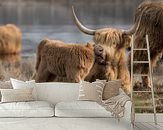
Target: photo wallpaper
{"points": [[81, 40]]}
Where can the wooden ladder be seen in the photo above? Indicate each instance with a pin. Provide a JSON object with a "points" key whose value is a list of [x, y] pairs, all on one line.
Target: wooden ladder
{"points": [[151, 91]]}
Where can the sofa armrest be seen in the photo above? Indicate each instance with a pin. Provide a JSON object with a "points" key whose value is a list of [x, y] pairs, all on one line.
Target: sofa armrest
{"points": [[128, 107], [126, 119], [127, 112]]}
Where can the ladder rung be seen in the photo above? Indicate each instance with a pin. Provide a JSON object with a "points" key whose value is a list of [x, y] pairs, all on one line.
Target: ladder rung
{"points": [[140, 49], [140, 61], [142, 91], [158, 92], [144, 107], [140, 74], [159, 98], [143, 102]]}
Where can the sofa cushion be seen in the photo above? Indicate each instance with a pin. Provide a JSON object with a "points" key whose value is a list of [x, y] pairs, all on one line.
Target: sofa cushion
{"points": [[111, 89], [80, 109], [91, 91], [5, 85], [16, 95], [19, 84], [26, 109]]}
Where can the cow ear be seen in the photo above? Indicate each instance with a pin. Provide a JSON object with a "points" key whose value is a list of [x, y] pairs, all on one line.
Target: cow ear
{"points": [[126, 40], [89, 45]]}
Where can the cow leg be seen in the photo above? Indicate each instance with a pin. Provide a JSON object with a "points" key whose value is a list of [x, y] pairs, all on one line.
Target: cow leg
{"points": [[126, 82], [85, 73], [42, 76], [77, 75], [146, 81], [74, 77], [92, 73], [90, 77], [123, 74], [82, 74], [61, 79], [51, 77], [111, 72], [42, 73], [65, 79]]}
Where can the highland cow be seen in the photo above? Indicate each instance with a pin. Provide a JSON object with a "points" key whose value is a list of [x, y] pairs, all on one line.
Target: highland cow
{"points": [[10, 39], [63, 62], [148, 20], [115, 42]]}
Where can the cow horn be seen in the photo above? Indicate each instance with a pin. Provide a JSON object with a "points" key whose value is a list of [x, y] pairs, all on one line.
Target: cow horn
{"points": [[130, 31], [135, 27], [80, 26]]}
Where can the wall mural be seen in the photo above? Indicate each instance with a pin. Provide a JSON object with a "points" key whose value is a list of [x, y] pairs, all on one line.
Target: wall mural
{"points": [[55, 50]]}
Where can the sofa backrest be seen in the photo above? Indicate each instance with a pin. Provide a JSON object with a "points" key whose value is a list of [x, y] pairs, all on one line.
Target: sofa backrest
{"points": [[55, 92]]}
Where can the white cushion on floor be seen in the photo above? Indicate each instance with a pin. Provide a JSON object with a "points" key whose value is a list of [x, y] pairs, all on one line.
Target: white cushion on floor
{"points": [[26, 109], [80, 109]]}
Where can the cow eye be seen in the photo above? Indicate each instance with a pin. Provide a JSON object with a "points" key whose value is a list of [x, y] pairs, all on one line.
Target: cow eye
{"points": [[114, 44]]}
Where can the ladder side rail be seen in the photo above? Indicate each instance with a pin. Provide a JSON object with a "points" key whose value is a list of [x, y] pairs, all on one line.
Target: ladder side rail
{"points": [[132, 84], [151, 79]]}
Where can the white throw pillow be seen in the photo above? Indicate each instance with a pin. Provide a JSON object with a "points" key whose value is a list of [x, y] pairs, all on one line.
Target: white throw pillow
{"points": [[19, 84], [81, 109], [26, 109], [16, 95]]}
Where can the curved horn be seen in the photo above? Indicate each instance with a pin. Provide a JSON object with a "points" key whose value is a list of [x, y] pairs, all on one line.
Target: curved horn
{"points": [[135, 26], [130, 31], [80, 26]]}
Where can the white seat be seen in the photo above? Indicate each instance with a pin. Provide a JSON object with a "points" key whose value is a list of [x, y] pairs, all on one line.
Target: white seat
{"points": [[80, 109], [26, 109]]}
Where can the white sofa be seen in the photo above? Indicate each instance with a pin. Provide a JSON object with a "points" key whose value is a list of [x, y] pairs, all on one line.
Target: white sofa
{"points": [[64, 95]]}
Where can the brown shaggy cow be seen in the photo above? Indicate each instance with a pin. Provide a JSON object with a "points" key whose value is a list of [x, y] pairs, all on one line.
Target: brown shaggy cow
{"points": [[10, 39], [63, 62], [148, 20], [104, 67], [115, 42]]}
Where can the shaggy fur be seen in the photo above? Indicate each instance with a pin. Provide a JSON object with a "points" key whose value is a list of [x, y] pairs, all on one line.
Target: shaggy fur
{"points": [[151, 23], [102, 71], [63, 62], [111, 37], [10, 39], [10, 59], [104, 66], [115, 43]]}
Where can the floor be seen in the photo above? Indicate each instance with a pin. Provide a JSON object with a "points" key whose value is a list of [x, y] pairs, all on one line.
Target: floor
{"points": [[146, 122], [148, 126], [143, 122]]}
